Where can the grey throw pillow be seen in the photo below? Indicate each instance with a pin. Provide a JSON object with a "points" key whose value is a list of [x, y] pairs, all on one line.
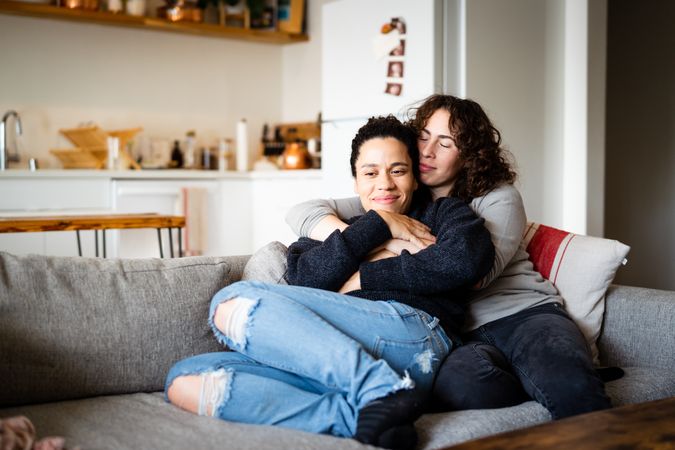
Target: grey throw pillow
{"points": [[79, 327], [268, 264]]}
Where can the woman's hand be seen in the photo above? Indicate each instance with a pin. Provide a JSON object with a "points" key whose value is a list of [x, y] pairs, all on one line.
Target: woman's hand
{"points": [[407, 229]]}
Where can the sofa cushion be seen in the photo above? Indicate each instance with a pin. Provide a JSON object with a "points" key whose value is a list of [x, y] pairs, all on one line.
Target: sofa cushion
{"points": [[77, 327], [641, 384], [444, 429], [268, 264], [146, 421], [581, 268]]}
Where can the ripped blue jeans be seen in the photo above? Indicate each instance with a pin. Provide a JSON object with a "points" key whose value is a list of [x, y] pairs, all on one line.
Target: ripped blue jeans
{"points": [[310, 359]]}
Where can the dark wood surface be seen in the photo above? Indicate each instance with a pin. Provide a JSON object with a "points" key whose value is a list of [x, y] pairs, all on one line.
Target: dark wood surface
{"points": [[648, 425], [88, 222]]}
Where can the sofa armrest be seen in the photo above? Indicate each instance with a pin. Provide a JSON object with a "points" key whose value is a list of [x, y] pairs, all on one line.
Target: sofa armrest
{"points": [[638, 328]]}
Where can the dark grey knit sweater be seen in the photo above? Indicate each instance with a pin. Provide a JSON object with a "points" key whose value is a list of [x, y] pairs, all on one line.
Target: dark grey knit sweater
{"points": [[434, 280]]}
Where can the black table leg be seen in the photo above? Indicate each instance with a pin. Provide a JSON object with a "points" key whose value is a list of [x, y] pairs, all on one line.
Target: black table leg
{"points": [[180, 242], [159, 239], [96, 241], [170, 243], [79, 243], [103, 232]]}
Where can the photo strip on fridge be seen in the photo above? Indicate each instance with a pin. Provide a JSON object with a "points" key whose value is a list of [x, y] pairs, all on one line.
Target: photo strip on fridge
{"points": [[396, 58]]}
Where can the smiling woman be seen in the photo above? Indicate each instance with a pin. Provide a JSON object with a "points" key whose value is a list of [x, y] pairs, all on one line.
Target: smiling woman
{"points": [[384, 176]]}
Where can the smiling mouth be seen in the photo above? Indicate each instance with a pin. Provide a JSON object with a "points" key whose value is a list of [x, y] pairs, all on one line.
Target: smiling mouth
{"points": [[386, 200], [424, 168]]}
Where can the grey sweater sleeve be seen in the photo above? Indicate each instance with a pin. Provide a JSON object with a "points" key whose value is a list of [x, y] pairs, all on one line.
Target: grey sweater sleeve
{"points": [[303, 217], [505, 219], [502, 209]]}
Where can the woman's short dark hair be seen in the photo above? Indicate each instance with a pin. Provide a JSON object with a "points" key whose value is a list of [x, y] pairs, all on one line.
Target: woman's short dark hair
{"points": [[386, 127], [485, 163]]}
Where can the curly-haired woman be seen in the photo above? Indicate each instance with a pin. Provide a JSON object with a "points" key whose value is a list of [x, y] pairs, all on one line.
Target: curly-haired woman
{"points": [[519, 341]]}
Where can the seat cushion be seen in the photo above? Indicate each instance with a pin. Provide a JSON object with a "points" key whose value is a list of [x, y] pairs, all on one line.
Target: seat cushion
{"points": [[146, 421], [444, 429], [641, 384]]}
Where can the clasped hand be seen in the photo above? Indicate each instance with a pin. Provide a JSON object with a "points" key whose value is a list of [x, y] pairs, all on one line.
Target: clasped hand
{"points": [[407, 234]]}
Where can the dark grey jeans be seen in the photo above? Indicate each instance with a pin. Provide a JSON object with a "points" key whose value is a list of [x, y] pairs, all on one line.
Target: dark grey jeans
{"points": [[538, 353]]}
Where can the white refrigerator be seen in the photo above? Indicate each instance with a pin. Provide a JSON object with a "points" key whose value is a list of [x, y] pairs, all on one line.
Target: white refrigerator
{"points": [[378, 57]]}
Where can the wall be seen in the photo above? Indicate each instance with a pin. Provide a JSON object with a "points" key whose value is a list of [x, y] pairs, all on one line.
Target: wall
{"points": [[513, 62], [301, 71], [59, 74], [538, 68], [640, 162]]}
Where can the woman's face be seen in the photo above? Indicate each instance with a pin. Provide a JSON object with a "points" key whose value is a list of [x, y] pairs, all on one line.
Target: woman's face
{"points": [[439, 156], [384, 175]]}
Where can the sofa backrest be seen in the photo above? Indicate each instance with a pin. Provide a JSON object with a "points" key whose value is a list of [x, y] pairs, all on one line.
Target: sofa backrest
{"points": [[638, 328], [79, 327]]}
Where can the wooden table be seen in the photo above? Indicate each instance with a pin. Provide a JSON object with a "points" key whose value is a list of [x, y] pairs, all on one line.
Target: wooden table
{"points": [[648, 425], [97, 222]]}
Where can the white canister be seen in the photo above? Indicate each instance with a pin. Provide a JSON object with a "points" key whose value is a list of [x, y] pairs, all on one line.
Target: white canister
{"points": [[115, 6], [136, 7], [242, 146], [113, 152]]}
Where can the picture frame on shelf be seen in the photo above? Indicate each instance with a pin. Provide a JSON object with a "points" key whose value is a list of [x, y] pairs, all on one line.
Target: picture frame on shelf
{"points": [[291, 15]]}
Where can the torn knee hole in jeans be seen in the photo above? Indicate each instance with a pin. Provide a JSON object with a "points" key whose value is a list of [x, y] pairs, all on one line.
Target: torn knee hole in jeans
{"points": [[233, 325], [214, 391]]}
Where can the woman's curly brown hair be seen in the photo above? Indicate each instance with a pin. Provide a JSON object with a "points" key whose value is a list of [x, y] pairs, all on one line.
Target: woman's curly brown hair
{"points": [[485, 163]]}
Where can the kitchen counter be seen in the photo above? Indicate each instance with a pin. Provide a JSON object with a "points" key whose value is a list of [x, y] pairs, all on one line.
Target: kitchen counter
{"points": [[162, 174], [248, 205]]}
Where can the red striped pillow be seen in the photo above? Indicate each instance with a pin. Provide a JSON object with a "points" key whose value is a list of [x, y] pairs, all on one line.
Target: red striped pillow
{"points": [[581, 268]]}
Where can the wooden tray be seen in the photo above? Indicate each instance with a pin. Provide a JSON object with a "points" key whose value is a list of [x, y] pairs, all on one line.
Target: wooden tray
{"points": [[80, 158], [91, 150]]}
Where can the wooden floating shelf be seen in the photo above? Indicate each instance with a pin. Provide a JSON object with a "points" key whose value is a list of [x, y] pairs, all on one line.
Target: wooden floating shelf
{"points": [[148, 23]]}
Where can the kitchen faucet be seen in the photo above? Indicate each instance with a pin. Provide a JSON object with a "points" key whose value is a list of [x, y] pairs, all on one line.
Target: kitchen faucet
{"points": [[5, 157]]}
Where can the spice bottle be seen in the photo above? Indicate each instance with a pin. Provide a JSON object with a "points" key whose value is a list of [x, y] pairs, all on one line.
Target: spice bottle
{"points": [[176, 155]]}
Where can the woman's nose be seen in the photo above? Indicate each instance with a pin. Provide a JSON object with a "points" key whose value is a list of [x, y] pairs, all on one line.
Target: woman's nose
{"points": [[385, 181], [426, 149]]}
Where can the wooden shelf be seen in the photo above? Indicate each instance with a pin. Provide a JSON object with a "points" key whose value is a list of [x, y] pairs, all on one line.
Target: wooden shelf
{"points": [[148, 23]]}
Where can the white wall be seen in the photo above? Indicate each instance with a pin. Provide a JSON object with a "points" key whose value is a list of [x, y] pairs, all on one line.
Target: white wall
{"points": [[59, 74], [512, 54], [301, 71], [538, 68]]}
